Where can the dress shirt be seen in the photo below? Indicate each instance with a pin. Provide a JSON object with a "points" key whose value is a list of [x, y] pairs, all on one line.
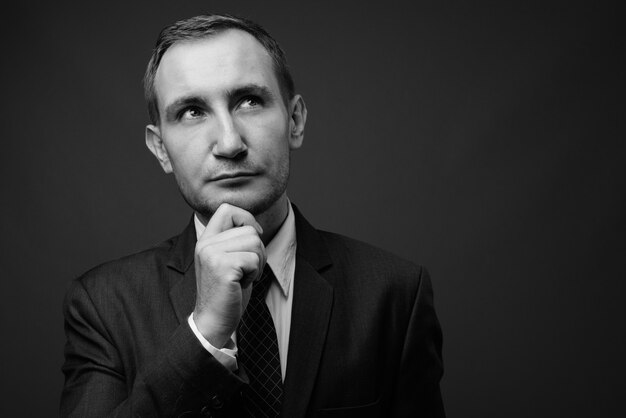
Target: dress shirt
{"points": [[281, 257]]}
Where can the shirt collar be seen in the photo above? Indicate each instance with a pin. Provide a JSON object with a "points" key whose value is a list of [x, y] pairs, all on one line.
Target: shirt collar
{"points": [[281, 250]]}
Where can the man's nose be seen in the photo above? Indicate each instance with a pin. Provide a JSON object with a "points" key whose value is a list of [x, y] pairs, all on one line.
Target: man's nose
{"points": [[229, 143]]}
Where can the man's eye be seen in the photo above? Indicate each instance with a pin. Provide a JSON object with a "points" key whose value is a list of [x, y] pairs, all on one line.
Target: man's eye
{"points": [[191, 113], [250, 102]]}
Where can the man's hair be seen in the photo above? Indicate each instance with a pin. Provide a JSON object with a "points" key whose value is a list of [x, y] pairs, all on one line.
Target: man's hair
{"points": [[203, 26]]}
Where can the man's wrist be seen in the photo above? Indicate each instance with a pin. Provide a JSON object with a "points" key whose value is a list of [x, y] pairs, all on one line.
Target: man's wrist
{"points": [[227, 355], [215, 335]]}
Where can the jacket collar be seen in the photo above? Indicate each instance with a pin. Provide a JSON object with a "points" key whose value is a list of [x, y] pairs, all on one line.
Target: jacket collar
{"points": [[182, 251], [181, 273], [311, 246]]}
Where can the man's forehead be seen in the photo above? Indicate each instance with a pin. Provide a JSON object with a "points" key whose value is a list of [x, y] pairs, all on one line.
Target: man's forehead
{"points": [[217, 62]]}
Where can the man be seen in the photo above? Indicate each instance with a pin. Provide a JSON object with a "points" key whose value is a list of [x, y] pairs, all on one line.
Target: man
{"points": [[250, 311]]}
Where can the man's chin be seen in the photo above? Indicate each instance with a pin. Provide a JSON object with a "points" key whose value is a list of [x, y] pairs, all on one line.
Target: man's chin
{"points": [[255, 206]]}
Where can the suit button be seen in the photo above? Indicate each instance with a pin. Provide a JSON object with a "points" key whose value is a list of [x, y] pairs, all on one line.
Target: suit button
{"points": [[206, 412], [216, 402]]}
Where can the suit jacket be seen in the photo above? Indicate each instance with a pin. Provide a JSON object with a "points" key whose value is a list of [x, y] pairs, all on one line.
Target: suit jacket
{"points": [[364, 339]]}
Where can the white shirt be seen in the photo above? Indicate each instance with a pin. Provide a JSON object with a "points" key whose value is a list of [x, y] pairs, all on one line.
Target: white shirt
{"points": [[281, 256]]}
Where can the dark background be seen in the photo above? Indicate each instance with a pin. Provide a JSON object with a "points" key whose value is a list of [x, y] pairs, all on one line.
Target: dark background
{"points": [[479, 139]]}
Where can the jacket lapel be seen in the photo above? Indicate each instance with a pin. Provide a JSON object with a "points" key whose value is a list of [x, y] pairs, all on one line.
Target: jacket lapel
{"points": [[312, 303], [181, 274]]}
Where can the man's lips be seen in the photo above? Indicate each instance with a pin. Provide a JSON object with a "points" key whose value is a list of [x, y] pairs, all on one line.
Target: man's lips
{"points": [[233, 176]]}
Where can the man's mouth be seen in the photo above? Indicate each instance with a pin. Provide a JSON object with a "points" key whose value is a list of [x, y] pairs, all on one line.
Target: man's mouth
{"points": [[233, 175]]}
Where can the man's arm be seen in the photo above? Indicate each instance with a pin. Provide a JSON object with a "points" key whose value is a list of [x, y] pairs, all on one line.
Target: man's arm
{"points": [[417, 393], [182, 377]]}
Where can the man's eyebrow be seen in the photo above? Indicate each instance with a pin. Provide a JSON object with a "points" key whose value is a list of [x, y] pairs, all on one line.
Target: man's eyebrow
{"points": [[250, 89], [172, 108]]}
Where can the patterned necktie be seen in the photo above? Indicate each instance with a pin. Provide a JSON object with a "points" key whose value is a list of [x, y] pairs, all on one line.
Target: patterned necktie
{"points": [[258, 352]]}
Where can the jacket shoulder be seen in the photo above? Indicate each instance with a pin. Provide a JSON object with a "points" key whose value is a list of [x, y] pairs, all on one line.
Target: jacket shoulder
{"points": [[366, 264], [343, 247], [131, 270]]}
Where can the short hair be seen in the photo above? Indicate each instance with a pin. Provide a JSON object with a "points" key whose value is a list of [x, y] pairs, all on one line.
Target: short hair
{"points": [[203, 26]]}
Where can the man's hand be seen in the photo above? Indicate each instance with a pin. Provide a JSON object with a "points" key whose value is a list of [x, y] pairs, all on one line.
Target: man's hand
{"points": [[229, 257]]}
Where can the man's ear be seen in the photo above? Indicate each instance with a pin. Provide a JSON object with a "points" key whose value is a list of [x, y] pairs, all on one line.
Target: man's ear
{"points": [[156, 147], [297, 120]]}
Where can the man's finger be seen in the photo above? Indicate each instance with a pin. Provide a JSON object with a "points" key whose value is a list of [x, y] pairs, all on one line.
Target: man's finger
{"points": [[249, 263], [248, 243], [233, 234], [227, 217]]}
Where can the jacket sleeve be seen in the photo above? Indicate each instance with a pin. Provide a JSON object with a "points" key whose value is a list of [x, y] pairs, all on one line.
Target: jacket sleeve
{"points": [[417, 392], [182, 378]]}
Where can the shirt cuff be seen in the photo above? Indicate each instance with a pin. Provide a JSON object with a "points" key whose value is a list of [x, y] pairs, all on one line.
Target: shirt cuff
{"points": [[226, 356]]}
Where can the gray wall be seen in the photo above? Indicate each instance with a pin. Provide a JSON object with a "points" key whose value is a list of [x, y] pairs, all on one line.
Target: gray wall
{"points": [[478, 139]]}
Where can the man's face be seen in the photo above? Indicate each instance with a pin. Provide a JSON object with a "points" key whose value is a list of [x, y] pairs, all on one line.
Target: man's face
{"points": [[225, 130]]}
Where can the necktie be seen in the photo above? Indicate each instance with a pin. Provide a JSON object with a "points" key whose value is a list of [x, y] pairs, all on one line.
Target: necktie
{"points": [[258, 352]]}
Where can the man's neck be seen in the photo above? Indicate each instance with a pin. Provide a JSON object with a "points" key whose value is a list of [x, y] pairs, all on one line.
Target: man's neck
{"points": [[273, 218]]}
